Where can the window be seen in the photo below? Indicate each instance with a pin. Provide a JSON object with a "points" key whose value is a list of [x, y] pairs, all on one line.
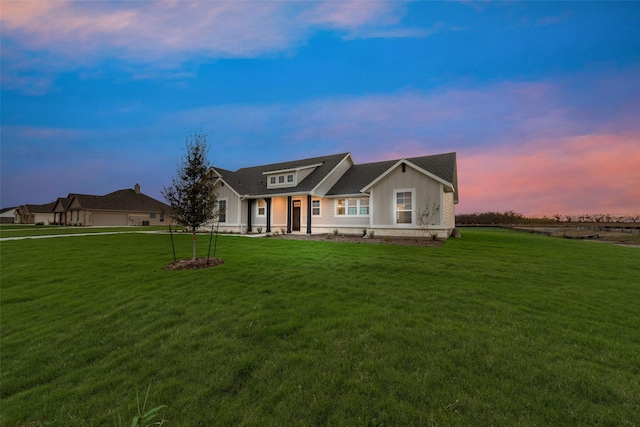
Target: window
{"points": [[404, 206], [152, 215], [280, 180], [364, 206], [161, 217], [353, 206], [222, 210], [315, 207], [261, 207]]}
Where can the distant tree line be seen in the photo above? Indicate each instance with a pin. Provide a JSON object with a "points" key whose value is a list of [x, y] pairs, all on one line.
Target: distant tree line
{"points": [[511, 217]]}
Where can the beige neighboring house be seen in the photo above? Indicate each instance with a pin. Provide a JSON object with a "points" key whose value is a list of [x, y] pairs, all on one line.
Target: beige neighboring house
{"points": [[120, 208], [34, 214], [332, 193]]}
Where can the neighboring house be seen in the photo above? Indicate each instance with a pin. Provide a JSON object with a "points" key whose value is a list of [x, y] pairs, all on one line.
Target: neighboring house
{"points": [[325, 194], [34, 214], [7, 215], [120, 208]]}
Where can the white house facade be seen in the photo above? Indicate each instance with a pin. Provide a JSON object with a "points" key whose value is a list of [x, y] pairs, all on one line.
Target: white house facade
{"points": [[332, 193]]}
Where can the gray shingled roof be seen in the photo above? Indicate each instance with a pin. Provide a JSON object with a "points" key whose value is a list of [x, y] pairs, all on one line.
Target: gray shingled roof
{"points": [[121, 200], [359, 176], [252, 181], [46, 208]]}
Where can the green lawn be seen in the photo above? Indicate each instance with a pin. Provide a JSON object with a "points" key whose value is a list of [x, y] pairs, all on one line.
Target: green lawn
{"points": [[497, 328]]}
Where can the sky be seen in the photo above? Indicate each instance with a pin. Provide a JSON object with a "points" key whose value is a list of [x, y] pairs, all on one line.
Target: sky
{"points": [[540, 100]]}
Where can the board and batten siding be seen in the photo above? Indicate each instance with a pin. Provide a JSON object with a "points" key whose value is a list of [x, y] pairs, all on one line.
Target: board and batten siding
{"points": [[383, 205], [224, 192]]}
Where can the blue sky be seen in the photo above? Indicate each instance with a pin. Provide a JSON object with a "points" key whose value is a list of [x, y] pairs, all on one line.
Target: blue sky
{"points": [[541, 100]]}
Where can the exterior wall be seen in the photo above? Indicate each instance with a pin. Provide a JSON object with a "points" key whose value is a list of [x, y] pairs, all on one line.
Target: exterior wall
{"points": [[383, 206], [333, 177], [449, 210], [234, 208]]}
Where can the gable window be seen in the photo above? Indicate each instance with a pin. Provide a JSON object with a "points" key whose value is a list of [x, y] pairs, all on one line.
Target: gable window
{"points": [[222, 210], [281, 179], [261, 207], [403, 206], [353, 206], [315, 207], [272, 180], [290, 178]]}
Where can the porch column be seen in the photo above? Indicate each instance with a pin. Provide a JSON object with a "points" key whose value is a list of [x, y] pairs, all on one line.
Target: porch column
{"points": [[268, 202], [308, 213], [249, 203], [288, 214]]}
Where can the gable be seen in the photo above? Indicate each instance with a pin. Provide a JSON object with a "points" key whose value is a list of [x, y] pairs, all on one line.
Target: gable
{"points": [[361, 178]]}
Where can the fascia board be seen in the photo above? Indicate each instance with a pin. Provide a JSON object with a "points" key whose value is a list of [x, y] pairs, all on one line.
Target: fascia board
{"points": [[266, 196], [299, 168], [347, 196], [408, 163]]}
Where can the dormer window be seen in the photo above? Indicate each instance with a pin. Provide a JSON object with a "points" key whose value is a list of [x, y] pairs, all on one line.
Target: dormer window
{"points": [[284, 178]]}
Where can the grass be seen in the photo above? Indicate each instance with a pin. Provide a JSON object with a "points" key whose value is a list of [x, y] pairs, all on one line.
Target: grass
{"points": [[496, 328], [27, 230]]}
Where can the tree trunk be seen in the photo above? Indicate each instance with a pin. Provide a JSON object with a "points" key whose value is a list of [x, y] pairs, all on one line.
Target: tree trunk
{"points": [[193, 258]]}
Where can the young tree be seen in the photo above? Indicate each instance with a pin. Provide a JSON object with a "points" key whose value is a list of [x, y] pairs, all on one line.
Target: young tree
{"points": [[427, 217], [191, 195]]}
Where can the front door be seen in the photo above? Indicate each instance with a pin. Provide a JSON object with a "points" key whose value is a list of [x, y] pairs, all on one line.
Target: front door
{"points": [[296, 215]]}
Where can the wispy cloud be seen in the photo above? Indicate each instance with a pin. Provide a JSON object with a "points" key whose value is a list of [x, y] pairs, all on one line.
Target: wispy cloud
{"points": [[74, 34]]}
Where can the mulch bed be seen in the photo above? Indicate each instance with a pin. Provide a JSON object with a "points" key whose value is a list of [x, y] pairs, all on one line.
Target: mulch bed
{"points": [[406, 241], [199, 263]]}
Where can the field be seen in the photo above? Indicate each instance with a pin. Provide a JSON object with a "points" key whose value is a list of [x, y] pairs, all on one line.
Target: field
{"points": [[497, 328]]}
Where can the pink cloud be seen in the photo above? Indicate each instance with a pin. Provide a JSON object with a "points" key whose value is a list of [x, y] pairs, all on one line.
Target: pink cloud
{"points": [[161, 29], [573, 175]]}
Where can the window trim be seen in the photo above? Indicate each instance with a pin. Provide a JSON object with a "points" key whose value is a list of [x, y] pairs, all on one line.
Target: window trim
{"points": [[319, 208], [347, 206], [226, 210], [263, 207], [394, 205]]}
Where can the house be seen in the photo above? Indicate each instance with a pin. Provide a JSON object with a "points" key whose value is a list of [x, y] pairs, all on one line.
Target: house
{"points": [[120, 208], [34, 214], [7, 215], [329, 193]]}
